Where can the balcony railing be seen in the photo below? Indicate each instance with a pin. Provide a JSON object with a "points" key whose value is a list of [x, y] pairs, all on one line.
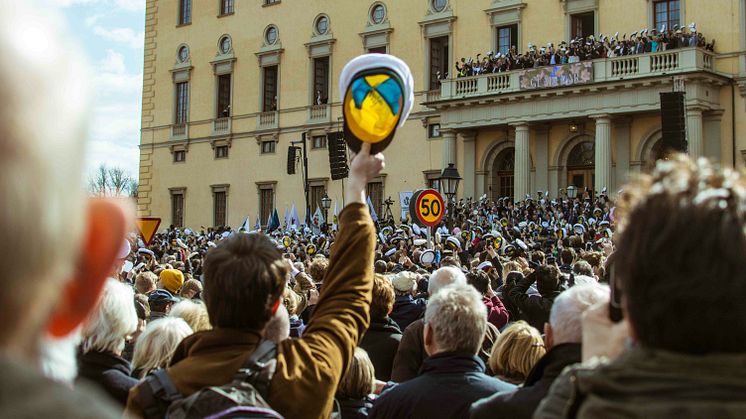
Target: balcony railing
{"points": [[268, 120], [319, 113], [221, 125], [600, 70], [178, 130]]}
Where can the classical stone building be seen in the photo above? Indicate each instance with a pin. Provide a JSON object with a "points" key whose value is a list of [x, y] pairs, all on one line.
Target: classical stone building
{"points": [[229, 84]]}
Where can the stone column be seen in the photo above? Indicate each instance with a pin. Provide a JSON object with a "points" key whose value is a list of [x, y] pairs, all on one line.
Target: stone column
{"points": [[522, 162], [542, 158], [449, 148], [622, 131], [712, 135], [694, 132], [603, 152], [469, 170]]}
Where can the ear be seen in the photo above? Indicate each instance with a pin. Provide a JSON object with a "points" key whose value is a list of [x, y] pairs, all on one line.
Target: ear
{"points": [[428, 339], [106, 225], [548, 336]]}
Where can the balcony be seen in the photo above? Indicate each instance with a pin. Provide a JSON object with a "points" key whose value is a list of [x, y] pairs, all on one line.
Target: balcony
{"points": [[178, 131], [268, 120], [666, 63], [221, 126], [318, 114]]}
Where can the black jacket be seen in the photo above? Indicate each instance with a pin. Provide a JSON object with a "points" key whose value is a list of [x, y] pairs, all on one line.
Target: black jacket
{"points": [[406, 310], [110, 372], [522, 402], [381, 342], [447, 385], [534, 308], [355, 409]]}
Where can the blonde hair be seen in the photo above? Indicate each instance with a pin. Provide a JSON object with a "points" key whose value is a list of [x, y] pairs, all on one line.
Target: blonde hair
{"points": [[145, 282], [113, 320], [193, 312], [511, 266], [516, 351], [156, 345], [360, 378]]}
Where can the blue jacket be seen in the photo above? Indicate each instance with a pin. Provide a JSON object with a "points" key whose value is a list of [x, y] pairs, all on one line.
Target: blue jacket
{"points": [[447, 385], [406, 310]]}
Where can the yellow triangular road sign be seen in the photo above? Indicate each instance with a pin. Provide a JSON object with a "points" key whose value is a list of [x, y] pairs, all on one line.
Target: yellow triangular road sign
{"points": [[147, 227]]}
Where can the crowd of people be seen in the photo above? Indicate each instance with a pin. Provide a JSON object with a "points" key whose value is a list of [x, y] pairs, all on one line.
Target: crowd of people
{"points": [[624, 306], [583, 49]]}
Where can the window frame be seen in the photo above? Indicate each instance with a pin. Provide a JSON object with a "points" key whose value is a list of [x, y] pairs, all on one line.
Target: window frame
{"points": [[445, 54], [271, 147], [220, 111], [184, 13], [371, 13], [268, 101], [181, 103], [325, 85], [270, 3], [219, 210], [669, 21], [431, 130], [579, 18], [177, 194], [226, 8], [512, 32], [322, 144], [271, 189], [219, 151], [177, 159], [265, 35]]}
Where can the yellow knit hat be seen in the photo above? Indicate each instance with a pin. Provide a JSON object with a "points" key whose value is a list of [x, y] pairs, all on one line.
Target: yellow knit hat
{"points": [[172, 280]]}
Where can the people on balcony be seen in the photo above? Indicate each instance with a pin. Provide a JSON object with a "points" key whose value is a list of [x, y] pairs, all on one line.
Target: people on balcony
{"points": [[582, 49]]}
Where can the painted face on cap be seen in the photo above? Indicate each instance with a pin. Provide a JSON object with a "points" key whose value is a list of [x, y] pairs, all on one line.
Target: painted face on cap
{"points": [[372, 107]]}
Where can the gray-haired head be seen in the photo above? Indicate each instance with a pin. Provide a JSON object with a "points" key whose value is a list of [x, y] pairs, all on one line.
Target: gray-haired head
{"points": [[565, 317], [457, 319], [443, 277]]}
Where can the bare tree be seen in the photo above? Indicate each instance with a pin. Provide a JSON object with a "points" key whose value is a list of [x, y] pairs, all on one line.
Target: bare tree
{"points": [[98, 182], [112, 181]]}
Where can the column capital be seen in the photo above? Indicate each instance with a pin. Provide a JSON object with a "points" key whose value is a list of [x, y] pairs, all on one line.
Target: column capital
{"points": [[448, 132], [520, 125], [715, 114], [695, 109], [468, 135], [601, 117]]}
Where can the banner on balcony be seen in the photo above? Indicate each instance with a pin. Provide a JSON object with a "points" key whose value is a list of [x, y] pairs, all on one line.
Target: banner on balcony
{"points": [[557, 76]]}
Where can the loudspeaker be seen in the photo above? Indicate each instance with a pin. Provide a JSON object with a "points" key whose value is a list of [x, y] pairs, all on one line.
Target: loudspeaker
{"points": [[673, 122], [291, 159], [337, 155]]}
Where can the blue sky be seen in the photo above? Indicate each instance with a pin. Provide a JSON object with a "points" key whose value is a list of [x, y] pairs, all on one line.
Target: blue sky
{"points": [[111, 32]]}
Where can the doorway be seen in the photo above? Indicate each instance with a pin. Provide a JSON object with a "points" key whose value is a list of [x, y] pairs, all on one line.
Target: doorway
{"points": [[581, 167]]}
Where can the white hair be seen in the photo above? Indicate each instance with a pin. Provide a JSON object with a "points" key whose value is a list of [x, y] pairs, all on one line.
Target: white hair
{"points": [[458, 319], [112, 321], [156, 345], [567, 311], [445, 276], [43, 123]]}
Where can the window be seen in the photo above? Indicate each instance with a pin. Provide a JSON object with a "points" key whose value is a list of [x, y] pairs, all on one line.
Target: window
{"points": [[322, 25], [314, 198], [438, 61], [270, 88], [183, 54], [582, 25], [268, 147], [226, 7], [221, 152], [378, 50], [270, 35], [375, 192], [266, 202], [318, 141], [320, 80], [185, 12], [666, 13], [220, 206], [270, 2], [439, 5], [377, 13], [224, 96], [503, 168], [182, 103], [177, 208], [507, 36], [179, 156], [432, 179], [433, 131]]}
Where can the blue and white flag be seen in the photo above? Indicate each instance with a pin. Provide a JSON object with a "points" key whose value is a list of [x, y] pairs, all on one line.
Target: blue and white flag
{"points": [[373, 214]]}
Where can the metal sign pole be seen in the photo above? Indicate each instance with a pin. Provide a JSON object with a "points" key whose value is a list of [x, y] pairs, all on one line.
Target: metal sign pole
{"points": [[430, 238]]}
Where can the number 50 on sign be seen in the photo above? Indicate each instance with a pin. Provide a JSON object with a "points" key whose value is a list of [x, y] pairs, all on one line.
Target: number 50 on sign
{"points": [[430, 207]]}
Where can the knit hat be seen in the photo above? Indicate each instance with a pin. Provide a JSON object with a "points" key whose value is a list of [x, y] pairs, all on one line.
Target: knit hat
{"points": [[172, 279]]}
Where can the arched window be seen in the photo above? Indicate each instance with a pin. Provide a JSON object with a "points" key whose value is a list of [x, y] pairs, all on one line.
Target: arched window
{"points": [[503, 173], [581, 164], [582, 155]]}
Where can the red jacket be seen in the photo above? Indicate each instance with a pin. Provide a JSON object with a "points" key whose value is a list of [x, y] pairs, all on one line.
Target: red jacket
{"points": [[497, 314]]}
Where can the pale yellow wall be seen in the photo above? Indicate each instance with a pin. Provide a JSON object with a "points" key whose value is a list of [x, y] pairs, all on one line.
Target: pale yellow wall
{"points": [[412, 153]]}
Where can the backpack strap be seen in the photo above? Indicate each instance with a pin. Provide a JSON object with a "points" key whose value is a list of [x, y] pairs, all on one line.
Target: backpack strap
{"points": [[259, 368], [156, 393]]}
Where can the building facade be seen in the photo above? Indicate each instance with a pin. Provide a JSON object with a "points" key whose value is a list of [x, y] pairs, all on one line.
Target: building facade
{"points": [[228, 85]]}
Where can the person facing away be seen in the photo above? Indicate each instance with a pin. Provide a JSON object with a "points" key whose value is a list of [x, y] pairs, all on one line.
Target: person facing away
{"points": [[562, 337], [680, 266], [382, 338], [58, 247], [452, 377], [244, 277]]}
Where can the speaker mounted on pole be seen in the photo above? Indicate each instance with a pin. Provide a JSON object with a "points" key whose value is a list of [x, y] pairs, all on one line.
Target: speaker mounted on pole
{"points": [[673, 122], [337, 155]]}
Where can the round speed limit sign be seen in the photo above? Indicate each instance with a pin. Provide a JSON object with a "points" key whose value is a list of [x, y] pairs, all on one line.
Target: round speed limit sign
{"points": [[430, 207]]}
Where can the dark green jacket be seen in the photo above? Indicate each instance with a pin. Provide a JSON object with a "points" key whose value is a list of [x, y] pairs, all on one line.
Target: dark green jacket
{"points": [[644, 383]]}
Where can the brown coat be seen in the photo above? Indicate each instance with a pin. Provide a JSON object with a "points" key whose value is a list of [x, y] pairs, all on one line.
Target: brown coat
{"points": [[411, 352], [308, 368]]}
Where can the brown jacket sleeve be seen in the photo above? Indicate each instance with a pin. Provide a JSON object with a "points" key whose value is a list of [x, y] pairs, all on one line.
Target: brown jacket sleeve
{"points": [[309, 368]]}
